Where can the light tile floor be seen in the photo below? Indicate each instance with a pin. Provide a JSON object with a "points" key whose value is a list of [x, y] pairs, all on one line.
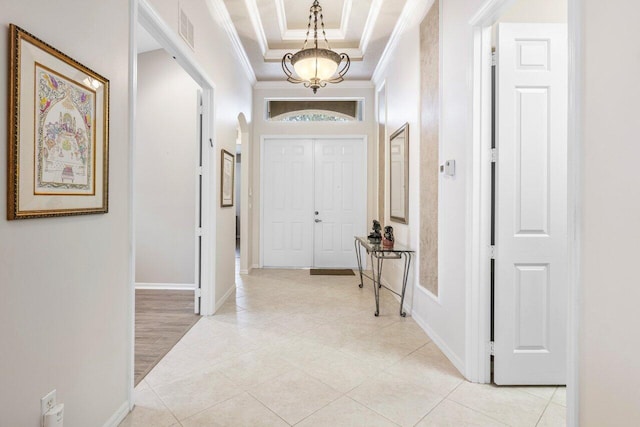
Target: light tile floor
{"points": [[294, 349]]}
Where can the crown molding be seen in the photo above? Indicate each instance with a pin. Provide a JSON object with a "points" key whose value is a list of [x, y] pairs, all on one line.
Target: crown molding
{"points": [[370, 23], [413, 9], [283, 84], [301, 34], [256, 22], [218, 7]]}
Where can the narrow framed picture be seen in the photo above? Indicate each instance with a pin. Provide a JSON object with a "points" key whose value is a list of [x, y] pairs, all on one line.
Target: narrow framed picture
{"points": [[58, 132], [226, 179]]}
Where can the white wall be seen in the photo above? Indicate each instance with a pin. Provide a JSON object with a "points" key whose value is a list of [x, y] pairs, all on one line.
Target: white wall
{"points": [[64, 309], [166, 155], [536, 11], [443, 317], [263, 127], [610, 288], [233, 95]]}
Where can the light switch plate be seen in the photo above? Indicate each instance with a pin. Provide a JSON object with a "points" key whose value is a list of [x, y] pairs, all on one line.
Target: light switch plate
{"points": [[450, 167]]}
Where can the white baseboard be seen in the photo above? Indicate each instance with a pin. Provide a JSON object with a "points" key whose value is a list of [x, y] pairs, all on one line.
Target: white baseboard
{"points": [[118, 416], [246, 271], [167, 286], [439, 342], [224, 299]]}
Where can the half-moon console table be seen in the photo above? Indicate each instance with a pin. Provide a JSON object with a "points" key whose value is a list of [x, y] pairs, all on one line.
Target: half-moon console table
{"points": [[379, 254]]}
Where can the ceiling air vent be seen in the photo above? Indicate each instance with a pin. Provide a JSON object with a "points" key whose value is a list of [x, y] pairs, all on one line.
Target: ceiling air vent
{"points": [[186, 29]]}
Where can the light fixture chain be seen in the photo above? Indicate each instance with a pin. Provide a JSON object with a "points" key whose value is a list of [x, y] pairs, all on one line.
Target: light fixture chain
{"points": [[315, 27], [324, 34], [306, 39], [315, 66]]}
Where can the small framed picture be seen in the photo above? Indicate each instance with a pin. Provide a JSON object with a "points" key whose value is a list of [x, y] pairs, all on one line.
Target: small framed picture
{"points": [[226, 179], [58, 159]]}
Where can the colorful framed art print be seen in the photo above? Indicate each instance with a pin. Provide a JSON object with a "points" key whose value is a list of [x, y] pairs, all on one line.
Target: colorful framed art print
{"points": [[58, 132]]}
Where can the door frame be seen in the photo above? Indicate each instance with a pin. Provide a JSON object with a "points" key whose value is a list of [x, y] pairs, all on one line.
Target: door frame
{"points": [[245, 196], [142, 13], [478, 366], [263, 138]]}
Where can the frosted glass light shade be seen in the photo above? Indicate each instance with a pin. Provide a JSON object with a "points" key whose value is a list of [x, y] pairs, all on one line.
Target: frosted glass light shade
{"points": [[315, 64]]}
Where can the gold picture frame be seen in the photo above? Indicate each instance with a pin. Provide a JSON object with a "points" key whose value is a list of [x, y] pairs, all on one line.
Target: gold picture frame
{"points": [[58, 151], [227, 172]]}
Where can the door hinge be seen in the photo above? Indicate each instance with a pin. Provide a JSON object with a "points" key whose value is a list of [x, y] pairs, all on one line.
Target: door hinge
{"points": [[494, 58], [198, 170], [199, 232], [492, 252], [494, 155], [492, 348], [198, 292]]}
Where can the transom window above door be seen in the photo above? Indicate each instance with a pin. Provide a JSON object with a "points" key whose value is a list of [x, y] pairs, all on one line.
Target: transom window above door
{"points": [[314, 111]]}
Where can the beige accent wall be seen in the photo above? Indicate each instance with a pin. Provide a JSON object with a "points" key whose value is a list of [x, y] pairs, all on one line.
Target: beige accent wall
{"points": [[429, 147]]}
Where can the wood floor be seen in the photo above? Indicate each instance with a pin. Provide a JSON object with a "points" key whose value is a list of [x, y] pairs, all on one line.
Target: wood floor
{"points": [[162, 318]]}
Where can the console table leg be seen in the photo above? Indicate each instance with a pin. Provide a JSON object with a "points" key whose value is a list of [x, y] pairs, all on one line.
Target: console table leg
{"points": [[405, 276], [376, 281], [359, 258]]}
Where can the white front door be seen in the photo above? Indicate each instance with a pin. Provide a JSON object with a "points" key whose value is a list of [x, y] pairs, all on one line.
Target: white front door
{"points": [[531, 205], [300, 178], [340, 201], [287, 203]]}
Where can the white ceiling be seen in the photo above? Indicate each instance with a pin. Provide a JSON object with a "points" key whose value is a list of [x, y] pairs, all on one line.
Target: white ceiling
{"points": [[270, 28]]}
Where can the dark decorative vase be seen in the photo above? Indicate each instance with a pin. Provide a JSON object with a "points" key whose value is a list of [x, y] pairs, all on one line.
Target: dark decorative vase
{"points": [[375, 237], [388, 240]]}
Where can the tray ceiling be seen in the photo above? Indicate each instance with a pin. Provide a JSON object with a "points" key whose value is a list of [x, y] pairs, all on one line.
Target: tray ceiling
{"points": [[270, 28]]}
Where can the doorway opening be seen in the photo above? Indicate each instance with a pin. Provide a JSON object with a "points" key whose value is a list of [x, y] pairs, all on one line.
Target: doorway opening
{"points": [[194, 181], [244, 177], [167, 156], [527, 177], [238, 190]]}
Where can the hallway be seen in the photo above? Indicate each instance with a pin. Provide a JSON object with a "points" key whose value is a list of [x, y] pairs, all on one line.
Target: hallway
{"points": [[295, 349]]}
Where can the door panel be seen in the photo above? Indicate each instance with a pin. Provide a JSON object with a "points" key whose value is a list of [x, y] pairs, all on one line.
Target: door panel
{"points": [[531, 211], [287, 203], [340, 200]]}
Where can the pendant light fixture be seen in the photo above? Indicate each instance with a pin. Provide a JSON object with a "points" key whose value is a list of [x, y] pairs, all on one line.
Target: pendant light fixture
{"points": [[316, 66]]}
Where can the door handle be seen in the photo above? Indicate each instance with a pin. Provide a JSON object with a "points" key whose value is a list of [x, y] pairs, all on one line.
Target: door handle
{"points": [[318, 220]]}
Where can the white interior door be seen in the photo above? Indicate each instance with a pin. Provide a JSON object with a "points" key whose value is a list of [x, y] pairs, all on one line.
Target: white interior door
{"points": [[531, 253], [287, 236], [340, 201]]}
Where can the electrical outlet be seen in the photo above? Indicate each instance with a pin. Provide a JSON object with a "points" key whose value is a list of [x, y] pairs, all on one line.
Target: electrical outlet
{"points": [[48, 402]]}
